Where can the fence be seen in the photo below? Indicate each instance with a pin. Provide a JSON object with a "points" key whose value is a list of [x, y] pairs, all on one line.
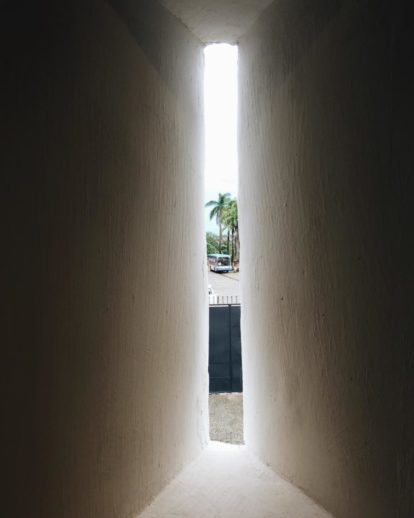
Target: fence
{"points": [[223, 300]]}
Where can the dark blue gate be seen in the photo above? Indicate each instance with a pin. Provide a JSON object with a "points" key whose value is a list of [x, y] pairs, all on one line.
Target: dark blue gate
{"points": [[225, 362]]}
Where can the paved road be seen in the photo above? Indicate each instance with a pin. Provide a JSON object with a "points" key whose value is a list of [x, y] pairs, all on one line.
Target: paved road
{"points": [[225, 285]]}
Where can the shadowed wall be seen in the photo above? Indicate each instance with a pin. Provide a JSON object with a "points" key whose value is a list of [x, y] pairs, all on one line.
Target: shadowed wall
{"points": [[104, 336], [326, 102], [105, 376]]}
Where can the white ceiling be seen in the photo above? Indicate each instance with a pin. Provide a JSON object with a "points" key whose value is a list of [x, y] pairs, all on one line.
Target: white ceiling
{"points": [[221, 21]]}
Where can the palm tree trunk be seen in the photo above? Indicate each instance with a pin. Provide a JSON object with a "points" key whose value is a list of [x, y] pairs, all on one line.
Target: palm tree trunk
{"points": [[220, 237]]}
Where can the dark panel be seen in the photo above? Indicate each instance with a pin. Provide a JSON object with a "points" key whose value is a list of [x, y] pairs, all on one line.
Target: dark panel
{"points": [[225, 367]]}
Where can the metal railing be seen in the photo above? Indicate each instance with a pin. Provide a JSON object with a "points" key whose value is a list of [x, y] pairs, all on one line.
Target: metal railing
{"points": [[224, 300]]}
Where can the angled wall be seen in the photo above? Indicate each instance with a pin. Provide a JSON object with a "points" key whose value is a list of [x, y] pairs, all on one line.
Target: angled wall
{"points": [[104, 334], [326, 190]]}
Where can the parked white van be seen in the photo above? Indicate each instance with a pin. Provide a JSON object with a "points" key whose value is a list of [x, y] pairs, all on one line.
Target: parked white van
{"points": [[219, 262]]}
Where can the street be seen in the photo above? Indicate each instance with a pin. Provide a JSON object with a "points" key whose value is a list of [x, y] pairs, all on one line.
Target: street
{"points": [[225, 285]]}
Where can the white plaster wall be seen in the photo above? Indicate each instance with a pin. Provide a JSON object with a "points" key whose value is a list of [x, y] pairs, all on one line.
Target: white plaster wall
{"points": [[326, 251], [106, 318]]}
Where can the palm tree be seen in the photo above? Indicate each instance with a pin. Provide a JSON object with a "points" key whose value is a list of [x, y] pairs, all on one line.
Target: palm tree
{"points": [[230, 219], [219, 207]]}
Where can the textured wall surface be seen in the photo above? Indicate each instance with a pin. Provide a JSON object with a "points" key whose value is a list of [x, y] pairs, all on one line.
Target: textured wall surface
{"points": [[222, 21], [326, 235], [105, 338]]}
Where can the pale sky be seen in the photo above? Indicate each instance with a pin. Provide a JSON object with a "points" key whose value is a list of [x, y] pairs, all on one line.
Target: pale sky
{"points": [[220, 113]]}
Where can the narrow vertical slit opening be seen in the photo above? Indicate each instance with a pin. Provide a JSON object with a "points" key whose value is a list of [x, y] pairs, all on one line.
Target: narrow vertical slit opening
{"points": [[223, 243]]}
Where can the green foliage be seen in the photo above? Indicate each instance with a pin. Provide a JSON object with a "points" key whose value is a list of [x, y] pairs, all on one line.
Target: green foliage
{"points": [[217, 211], [213, 243], [230, 217], [230, 220], [226, 213], [219, 206]]}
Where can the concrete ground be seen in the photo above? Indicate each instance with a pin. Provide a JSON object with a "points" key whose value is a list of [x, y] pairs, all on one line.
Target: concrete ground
{"points": [[226, 417], [232, 275], [225, 284], [227, 481]]}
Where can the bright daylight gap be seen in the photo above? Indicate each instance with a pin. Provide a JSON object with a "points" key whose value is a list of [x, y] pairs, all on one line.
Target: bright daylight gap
{"points": [[222, 240]]}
